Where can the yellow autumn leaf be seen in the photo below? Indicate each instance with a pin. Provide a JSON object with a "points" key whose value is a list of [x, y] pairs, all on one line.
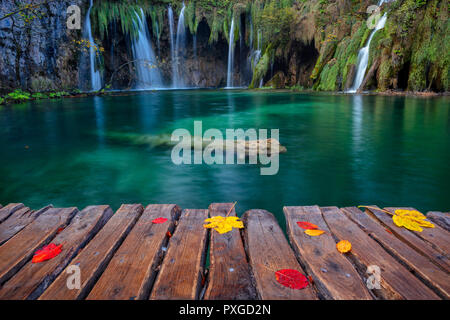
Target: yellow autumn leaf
{"points": [[410, 213], [407, 223], [314, 232], [223, 224]]}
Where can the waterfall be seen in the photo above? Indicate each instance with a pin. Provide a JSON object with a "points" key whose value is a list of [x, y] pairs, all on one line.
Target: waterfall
{"points": [[179, 49], [363, 55], [172, 44], [96, 82], [230, 56], [147, 73]]}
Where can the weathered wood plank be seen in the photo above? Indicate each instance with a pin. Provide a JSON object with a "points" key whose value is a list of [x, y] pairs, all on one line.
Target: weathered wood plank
{"points": [[410, 238], [229, 272], [9, 210], [34, 278], [397, 282], [18, 221], [333, 274], [18, 250], [131, 272], [437, 237], [422, 266], [268, 252], [93, 259], [442, 219], [182, 268]]}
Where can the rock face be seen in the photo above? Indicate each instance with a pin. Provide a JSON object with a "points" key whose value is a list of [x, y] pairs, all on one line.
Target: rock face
{"points": [[38, 54]]}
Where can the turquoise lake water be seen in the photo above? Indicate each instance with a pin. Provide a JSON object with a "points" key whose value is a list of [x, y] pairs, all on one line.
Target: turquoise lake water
{"points": [[343, 150]]}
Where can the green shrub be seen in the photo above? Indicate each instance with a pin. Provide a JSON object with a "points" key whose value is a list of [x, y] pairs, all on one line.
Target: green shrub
{"points": [[18, 96], [39, 95]]}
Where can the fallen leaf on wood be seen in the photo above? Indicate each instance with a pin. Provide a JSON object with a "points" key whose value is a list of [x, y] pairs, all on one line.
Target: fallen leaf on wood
{"points": [[223, 224], [314, 233], [307, 225], [46, 253], [344, 246], [168, 234], [159, 220], [291, 278], [411, 219]]}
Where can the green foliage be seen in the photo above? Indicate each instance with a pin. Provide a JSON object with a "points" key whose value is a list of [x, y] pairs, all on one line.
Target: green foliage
{"points": [[39, 95], [2, 100], [60, 94], [18, 96]]}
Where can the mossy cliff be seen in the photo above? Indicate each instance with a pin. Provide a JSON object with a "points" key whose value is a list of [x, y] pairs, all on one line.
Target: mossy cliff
{"points": [[281, 43]]}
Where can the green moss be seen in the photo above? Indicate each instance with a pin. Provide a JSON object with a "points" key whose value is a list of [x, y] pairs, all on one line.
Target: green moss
{"points": [[261, 68]]}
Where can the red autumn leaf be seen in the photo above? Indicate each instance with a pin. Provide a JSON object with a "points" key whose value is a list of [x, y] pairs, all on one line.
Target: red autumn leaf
{"points": [[168, 234], [307, 225], [159, 220], [291, 278], [46, 253]]}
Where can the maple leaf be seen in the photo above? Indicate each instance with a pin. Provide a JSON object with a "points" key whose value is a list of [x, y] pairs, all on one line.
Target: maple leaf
{"points": [[223, 224], [46, 253], [306, 225], [314, 232], [411, 220], [291, 278]]}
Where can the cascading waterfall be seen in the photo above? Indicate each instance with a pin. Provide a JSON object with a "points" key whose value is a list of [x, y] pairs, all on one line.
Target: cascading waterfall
{"points": [[96, 82], [230, 56], [172, 43], [179, 49], [363, 54], [147, 73]]}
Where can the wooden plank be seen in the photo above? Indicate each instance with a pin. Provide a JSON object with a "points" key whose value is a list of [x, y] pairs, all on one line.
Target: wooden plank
{"points": [[442, 219], [18, 250], [229, 272], [93, 259], [433, 275], [131, 272], [333, 274], [397, 282], [410, 238], [182, 268], [9, 210], [437, 237], [34, 278], [18, 221], [268, 252]]}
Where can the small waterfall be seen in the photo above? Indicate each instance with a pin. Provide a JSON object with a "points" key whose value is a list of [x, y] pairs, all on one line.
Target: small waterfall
{"points": [[172, 43], [179, 49], [230, 56], [96, 82], [147, 73], [363, 55]]}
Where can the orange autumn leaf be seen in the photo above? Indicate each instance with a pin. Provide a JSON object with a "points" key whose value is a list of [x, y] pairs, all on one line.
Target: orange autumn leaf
{"points": [[314, 232], [344, 246], [307, 225]]}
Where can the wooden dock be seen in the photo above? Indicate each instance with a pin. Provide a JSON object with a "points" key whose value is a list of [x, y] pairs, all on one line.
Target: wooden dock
{"points": [[125, 256]]}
